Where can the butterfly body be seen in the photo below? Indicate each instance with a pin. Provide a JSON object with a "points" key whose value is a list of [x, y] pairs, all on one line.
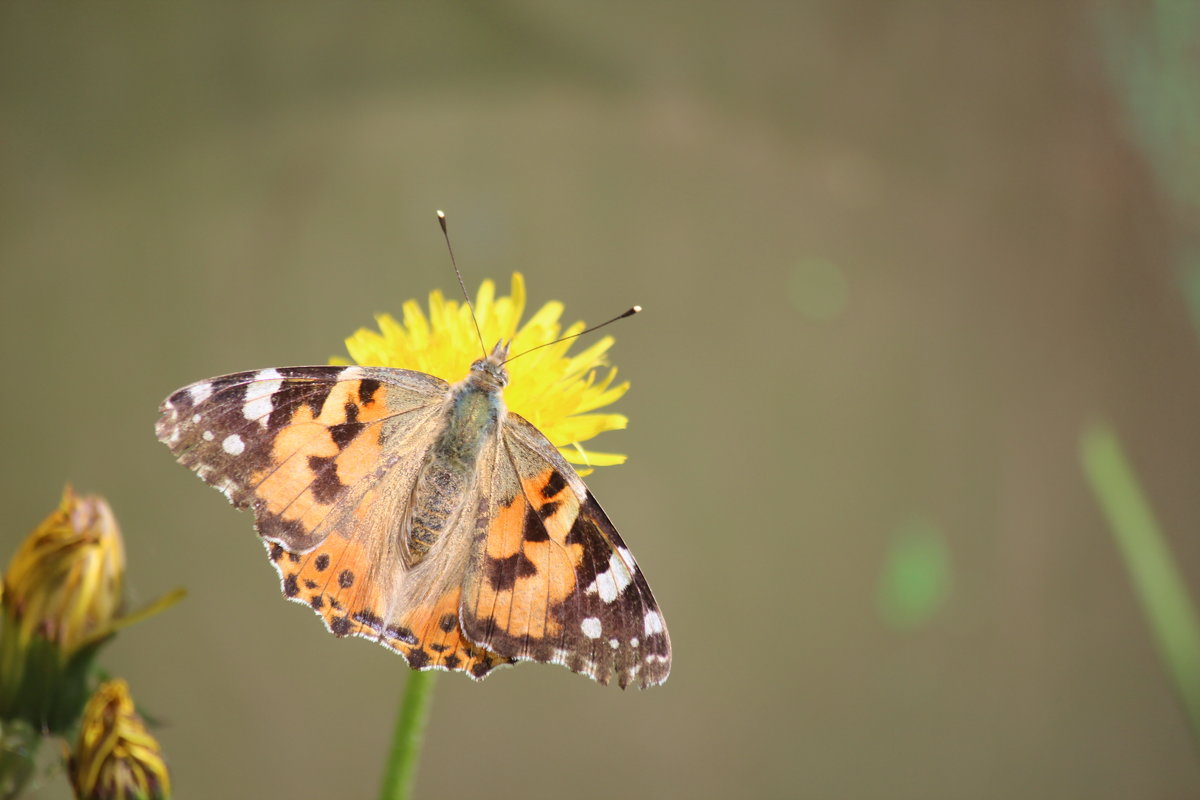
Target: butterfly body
{"points": [[475, 411], [424, 516]]}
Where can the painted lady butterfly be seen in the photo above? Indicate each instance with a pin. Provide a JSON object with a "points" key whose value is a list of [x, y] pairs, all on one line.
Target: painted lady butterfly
{"points": [[424, 516]]}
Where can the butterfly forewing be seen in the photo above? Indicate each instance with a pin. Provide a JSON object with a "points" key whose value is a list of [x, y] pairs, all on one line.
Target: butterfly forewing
{"points": [[551, 580], [291, 442]]}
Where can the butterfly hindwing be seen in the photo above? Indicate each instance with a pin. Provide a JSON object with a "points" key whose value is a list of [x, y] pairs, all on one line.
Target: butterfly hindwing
{"points": [[345, 580], [550, 579]]}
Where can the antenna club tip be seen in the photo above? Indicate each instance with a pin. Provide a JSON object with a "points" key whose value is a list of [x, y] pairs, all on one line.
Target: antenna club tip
{"points": [[441, 214], [635, 310]]}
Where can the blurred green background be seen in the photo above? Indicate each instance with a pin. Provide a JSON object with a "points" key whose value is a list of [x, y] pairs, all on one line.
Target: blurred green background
{"points": [[895, 260]]}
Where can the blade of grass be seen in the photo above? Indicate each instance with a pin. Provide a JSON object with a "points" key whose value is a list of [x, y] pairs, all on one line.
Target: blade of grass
{"points": [[1156, 580]]}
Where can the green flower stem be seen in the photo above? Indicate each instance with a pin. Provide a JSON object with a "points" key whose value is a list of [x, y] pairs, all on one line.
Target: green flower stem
{"points": [[1152, 570], [401, 770]]}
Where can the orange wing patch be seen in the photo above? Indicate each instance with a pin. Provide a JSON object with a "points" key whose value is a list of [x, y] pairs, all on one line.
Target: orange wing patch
{"points": [[527, 568], [339, 581], [315, 458]]}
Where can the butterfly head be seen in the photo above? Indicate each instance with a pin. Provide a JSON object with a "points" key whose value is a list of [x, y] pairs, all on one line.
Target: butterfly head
{"points": [[489, 372]]}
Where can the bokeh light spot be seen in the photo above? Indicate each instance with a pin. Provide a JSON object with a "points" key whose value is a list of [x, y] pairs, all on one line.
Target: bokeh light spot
{"points": [[916, 576]]}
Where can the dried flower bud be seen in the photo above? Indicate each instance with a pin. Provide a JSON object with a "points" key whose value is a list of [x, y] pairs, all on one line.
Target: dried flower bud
{"points": [[62, 593], [116, 758]]}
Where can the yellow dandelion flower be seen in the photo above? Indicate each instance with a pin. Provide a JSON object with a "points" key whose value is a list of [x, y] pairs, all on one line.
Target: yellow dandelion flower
{"points": [[557, 392], [116, 758]]}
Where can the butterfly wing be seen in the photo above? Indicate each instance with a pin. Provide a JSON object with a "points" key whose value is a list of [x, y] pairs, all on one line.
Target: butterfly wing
{"points": [[549, 577], [326, 457], [299, 444]]}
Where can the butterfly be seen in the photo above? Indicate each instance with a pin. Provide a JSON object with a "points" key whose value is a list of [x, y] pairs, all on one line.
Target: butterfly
{"points": [[424, 516]]}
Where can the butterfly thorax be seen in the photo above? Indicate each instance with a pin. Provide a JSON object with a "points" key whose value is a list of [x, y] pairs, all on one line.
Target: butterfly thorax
{"points": [[475, 410]]}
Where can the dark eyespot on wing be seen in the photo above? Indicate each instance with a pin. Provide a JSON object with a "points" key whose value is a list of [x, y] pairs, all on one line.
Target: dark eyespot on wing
{"points": [[371, 620], [326, 486], [345, 432], [534, 529], [403, 634], [555, 485], [294, 393], [366, 390], [503, 573]]}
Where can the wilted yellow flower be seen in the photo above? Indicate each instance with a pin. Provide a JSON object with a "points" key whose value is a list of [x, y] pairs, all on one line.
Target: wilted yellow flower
{"points": [[64, 582], [62, 592], [116, 758], [555, 391]]}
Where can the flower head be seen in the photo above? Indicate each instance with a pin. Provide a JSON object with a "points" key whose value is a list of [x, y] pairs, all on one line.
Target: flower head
{"points": [[64, 582], [555, 391], [62, 592], [116, 758]]}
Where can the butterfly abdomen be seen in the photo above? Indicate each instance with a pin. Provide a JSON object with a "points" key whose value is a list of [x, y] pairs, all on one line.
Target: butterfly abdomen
{"points": [[451, 466]]}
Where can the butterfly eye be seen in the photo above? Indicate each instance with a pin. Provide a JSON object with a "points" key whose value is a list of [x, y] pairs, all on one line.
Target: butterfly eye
{"points": [[488, 373]]}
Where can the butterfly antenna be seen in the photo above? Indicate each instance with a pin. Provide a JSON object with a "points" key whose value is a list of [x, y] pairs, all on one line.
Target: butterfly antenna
{"points": [[446, 234], [622, 315]]}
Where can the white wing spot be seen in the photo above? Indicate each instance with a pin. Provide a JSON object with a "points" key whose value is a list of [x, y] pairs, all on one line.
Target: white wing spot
{"points": [[614, 643], [633, 642], [195, 418], [266, 383], [653, 622], [610, 583], [233, 445], [605, 585], [200, 392], [591, 627], [208, 436]]}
